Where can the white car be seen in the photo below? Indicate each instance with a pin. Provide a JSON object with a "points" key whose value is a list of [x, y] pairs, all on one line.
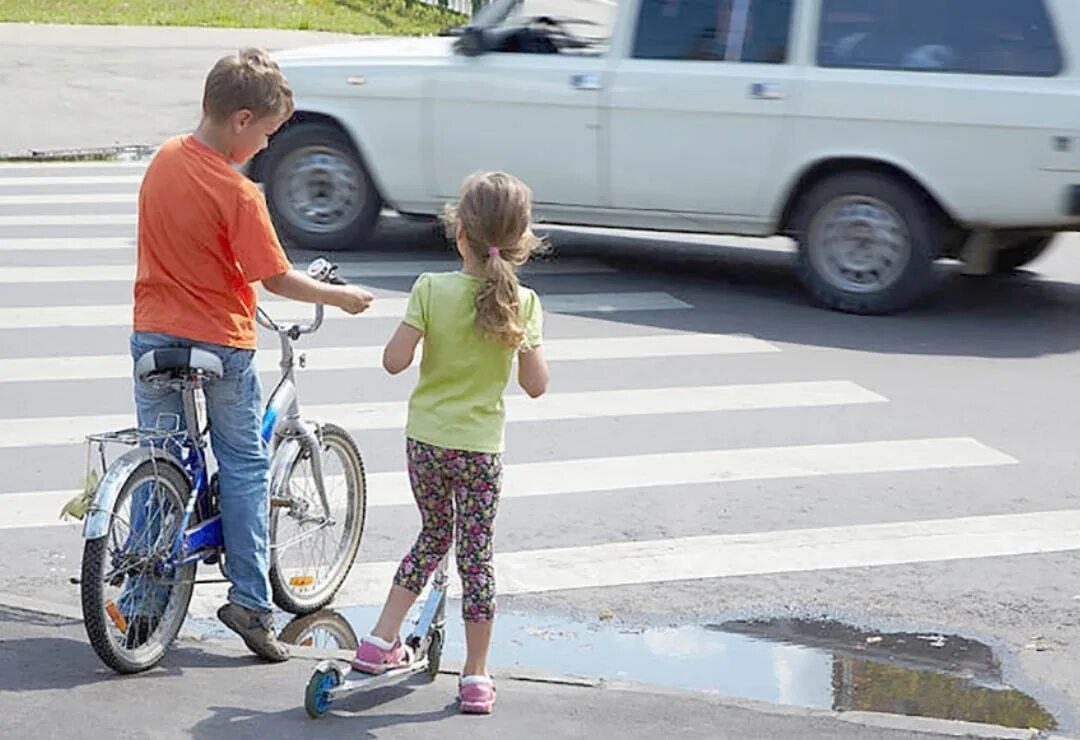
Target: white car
{"points": [[881, 135]]}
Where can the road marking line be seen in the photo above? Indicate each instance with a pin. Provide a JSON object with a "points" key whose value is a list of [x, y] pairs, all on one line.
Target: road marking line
{"points": [[740, 555], [353, 271], [103, 165], [87, 219], [68, 199], [101, 367], [43, 317], [613, 474], [76, 244], [50, 430], [51, 180]]}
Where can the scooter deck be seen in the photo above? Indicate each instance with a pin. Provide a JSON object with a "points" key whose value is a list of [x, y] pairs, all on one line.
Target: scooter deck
{"points": [[353, 679]]}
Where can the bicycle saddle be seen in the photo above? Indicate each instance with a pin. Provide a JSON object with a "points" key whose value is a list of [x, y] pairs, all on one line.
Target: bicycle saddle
{"points": [[179, 362]]}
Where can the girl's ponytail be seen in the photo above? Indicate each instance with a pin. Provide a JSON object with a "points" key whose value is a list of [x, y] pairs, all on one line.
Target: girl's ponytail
{"points": [[498, 309]]}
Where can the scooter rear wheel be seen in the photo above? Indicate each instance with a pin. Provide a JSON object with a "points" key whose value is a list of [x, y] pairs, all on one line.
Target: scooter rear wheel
{"points": [[434, 653]]}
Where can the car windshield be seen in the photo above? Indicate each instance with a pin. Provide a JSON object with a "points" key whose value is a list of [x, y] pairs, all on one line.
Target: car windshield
{"points": [[584, 26]]}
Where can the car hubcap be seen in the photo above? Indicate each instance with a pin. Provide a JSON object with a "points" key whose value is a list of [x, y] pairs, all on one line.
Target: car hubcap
{"points": [[321, 190], [859, 244]]}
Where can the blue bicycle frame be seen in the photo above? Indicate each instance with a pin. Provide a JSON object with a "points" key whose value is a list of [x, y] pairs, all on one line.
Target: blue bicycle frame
{"points": [[282, 429]]}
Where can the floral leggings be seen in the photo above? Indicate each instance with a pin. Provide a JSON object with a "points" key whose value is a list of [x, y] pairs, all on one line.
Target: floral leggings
{"points": [[441, 479]]}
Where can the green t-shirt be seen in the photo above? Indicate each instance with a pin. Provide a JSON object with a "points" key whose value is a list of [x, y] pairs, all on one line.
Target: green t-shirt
{"points": [[458, 402]]}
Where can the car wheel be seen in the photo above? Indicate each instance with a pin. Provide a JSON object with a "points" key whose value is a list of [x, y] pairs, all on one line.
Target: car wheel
{"points": [[867, 243], [319, 192], [1020, 254]]}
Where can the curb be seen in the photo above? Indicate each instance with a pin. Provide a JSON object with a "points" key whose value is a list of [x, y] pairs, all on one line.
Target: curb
{"points": [[870, 720], [125, 153]]}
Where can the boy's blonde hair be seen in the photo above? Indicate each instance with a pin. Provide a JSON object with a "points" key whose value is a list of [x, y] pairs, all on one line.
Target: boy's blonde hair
{"points": [[249, 80], [494, 211]]}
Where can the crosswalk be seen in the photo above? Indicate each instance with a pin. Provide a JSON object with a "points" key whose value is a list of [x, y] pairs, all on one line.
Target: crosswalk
{"points": [[636, 413]]}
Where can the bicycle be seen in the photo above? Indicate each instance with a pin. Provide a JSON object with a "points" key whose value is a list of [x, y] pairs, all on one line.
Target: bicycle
{"points": [[155, 514]]}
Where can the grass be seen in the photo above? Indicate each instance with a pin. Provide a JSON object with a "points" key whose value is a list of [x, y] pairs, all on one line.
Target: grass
{"points": [[389, 17]]}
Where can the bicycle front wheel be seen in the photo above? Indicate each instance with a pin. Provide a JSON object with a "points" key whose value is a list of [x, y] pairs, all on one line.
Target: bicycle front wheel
{"points": [[311, 552], [134, 602]]}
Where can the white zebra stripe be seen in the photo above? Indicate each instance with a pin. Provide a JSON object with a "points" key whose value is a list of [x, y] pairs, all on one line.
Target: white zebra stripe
{"points": [[612, 474], [31, 432], [43, 317], [99, 367]]}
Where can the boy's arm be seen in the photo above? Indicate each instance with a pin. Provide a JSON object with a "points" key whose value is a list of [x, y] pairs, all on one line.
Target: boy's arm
{"points": [[297, 286]]}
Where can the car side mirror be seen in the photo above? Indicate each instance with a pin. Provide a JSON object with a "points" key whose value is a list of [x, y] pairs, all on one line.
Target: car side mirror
{"points": [[471, 41]]}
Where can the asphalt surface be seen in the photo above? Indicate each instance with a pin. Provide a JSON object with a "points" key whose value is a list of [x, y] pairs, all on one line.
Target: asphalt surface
{"points": [[214, 692], [938, 372]]}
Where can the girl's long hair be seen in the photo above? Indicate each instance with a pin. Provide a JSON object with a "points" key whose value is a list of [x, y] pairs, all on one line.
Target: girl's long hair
{"points": [[495, 213]]}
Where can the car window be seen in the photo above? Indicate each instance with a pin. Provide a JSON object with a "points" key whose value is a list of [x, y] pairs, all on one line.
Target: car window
{"points": [[580, 27], [768, 28], [998, 37], [713, 30]]}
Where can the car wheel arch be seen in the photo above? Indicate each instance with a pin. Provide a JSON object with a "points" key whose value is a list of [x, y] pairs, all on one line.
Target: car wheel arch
{"points": [[302, 117], [821, 169]]}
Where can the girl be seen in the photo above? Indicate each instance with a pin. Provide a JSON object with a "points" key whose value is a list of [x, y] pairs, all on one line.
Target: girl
{"points": [[472, 322]]}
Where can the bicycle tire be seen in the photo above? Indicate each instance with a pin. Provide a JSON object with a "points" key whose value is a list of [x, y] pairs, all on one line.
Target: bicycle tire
{"points": [[285, 597], [95, 562]]}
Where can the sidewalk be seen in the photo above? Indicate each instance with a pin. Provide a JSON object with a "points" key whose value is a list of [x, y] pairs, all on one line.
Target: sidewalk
{"points": [[52, 685], [76, 87]]}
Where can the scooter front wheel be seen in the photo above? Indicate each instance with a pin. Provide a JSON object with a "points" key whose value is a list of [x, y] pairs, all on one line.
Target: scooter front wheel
{"points": [[317, 696]]}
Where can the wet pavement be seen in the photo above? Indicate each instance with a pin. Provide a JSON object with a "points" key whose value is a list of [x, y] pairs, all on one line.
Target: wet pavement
{"points": [[811, 664]]}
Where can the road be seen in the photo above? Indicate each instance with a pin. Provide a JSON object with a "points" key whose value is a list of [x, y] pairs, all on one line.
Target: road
{"points": [[87, 87], [712, 446]]}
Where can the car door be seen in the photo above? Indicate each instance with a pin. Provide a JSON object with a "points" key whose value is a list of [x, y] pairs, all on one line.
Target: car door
{"points": [[536, 116], [699, 105]]}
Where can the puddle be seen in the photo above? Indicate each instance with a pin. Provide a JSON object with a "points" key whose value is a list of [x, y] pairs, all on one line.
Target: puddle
{"points": [[813, 664]]}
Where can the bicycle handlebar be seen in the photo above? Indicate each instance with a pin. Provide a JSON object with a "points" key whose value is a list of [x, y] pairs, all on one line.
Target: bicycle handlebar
{"points": [[325, 272]]}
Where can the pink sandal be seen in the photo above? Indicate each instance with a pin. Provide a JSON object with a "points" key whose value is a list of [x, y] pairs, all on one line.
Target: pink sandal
{"points": [[376, 656], [477, 694]]}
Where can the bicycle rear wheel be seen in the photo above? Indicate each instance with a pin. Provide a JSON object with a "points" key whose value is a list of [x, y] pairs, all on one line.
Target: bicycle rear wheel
{"points": [[310, 558], [133, 603]]}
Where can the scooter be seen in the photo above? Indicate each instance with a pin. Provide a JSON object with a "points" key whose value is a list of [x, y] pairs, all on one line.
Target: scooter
{"points": [[332, 679]]}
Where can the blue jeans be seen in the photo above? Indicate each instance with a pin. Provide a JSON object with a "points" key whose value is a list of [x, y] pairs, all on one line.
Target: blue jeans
{"points": [[234, 407]]}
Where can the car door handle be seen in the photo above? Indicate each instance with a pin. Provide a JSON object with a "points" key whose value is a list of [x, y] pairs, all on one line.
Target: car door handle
{"points": [[766, 91], [585, 82]]}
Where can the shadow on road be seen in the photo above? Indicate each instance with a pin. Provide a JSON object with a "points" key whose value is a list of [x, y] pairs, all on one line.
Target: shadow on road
{"points": [[745, 290], [349, 717]]}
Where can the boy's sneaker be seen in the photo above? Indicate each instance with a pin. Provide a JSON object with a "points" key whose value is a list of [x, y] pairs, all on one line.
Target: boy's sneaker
{"points": [[256, 629], [476, 694], [376, 655]]}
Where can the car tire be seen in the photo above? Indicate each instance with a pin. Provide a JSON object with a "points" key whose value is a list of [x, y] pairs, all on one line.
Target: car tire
{"points": [[319, 192], [867, 243], [1014, 257]]}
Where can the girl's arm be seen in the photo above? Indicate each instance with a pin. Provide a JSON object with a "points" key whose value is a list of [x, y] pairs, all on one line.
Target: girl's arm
{"points": [[401, 348], [533, 372]]}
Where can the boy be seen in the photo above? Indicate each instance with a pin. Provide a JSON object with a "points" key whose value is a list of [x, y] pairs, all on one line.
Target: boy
{"points": [[205, 239]]}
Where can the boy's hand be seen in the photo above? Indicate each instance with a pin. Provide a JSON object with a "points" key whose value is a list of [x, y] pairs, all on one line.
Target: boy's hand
{"points": [[353, 300]]}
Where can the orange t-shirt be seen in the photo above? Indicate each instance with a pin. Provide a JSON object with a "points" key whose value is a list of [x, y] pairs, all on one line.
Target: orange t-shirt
{"points": [[205, 239]]}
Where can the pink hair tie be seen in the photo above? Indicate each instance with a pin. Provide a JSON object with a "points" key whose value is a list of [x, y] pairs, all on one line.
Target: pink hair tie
{"points": [[493, 251]]}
